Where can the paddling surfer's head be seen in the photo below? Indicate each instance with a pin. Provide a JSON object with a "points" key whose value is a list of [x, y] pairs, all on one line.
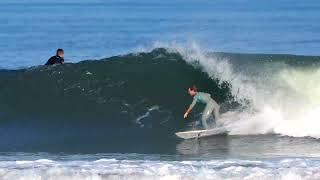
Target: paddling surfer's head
{"points": [[60, 53], [192, 91]]}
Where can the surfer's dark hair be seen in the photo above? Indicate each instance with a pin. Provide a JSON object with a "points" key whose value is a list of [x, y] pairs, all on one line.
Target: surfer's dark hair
{"points": [[193, 88], [59, 51]]}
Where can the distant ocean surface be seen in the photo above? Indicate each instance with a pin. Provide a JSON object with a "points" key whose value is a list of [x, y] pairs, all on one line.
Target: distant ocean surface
{"points": [[31, 30], [111, 112]]}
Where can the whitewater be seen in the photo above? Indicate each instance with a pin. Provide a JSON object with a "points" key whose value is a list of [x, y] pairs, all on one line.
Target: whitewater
{"points": [[133, 167], [278, 98]]}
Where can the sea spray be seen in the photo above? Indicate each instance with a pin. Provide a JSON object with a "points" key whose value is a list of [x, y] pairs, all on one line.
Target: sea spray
{"points": [[283, 99]]}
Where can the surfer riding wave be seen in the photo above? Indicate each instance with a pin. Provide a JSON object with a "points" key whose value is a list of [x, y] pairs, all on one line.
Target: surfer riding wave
{"points": [[212, 107]]}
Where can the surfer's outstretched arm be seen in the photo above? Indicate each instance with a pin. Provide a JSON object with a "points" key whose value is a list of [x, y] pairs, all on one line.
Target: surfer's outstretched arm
{"points": [[190, 108]]}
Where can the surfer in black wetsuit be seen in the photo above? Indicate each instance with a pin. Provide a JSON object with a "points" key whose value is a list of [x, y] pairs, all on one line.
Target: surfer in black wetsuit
{"points": [[57, 59]]}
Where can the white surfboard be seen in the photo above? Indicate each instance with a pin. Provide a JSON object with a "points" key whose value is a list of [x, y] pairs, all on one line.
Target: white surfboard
{"points": [[201, 133]]}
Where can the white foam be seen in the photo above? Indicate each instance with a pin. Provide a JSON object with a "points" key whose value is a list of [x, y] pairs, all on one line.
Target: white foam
{"points": [[105, 160], [144, 169], [44, 161]]}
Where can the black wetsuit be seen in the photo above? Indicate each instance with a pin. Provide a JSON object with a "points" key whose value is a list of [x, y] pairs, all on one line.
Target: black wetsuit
{"points": [[55, 60]]}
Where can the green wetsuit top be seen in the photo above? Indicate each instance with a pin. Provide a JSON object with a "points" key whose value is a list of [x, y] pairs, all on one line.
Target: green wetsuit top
{"points": [[202, 97]]}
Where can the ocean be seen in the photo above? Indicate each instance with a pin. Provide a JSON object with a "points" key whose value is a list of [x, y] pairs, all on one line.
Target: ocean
{"points": [[112, 110]]}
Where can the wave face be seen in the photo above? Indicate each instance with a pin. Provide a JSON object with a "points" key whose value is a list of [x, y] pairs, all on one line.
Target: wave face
{"points": [[123, 99], [141, 98]]}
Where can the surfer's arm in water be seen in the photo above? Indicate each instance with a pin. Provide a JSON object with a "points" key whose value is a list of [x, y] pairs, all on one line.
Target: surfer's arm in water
{"points": [[194, 102]]}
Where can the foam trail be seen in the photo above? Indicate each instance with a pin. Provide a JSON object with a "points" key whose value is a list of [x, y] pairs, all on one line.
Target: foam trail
{"points": [[138, 120], [282, 99]]}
